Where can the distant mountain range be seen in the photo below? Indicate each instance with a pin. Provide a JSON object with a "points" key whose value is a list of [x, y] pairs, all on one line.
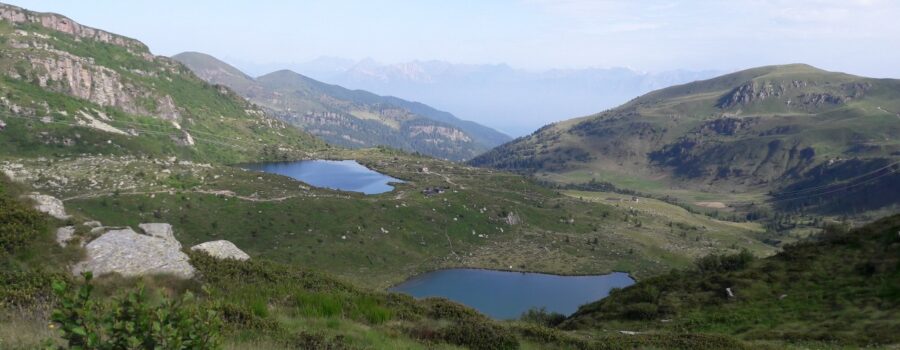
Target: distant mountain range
{"points": [[515, 101], [351, 118], [815, 139]]}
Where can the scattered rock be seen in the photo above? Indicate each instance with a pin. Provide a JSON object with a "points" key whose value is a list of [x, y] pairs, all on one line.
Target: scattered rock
{"points": [[129, 254], [50, 205], [222, 249], [513, 219], [64, 235], [160, 230], [92, 224]]}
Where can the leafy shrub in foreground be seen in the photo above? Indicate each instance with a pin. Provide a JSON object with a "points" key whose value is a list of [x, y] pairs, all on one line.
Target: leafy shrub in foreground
{"points": [[132, 322]]}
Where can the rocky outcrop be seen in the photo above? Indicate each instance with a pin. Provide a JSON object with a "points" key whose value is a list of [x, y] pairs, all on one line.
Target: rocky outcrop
{"points": [[49, 205], [63, 24], [64, 235], [513, 219], [81, 77], [130, 254], [751, 92], [222, 250], [442, 132], [727, 126], [162, 231]]}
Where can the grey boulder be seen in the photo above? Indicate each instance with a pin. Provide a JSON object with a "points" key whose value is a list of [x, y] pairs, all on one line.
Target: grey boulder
{"points": [[222, 250], [129, 254]]}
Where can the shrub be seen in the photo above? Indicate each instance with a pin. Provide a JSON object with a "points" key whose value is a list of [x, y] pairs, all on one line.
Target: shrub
{"points": [[132, 322], [19, 224], [724, 263], [480, 335], [641, 311], [542, 317]]}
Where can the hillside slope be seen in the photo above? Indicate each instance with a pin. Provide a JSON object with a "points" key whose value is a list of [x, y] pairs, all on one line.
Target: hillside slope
{"points": [[351, 118], [757, 130], [72, 89], [845, 287]]}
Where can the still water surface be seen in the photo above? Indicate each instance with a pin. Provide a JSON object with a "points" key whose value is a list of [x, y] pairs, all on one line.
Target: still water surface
{"points": [[344, 175], [506, 295]]}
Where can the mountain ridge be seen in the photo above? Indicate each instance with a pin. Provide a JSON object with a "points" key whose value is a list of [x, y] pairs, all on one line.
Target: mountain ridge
{"points": [[511, 99], [352, 118], [756, 130]]}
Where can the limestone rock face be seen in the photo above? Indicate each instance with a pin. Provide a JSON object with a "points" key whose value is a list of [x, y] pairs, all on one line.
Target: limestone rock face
{"points": [[129, 253], [49, 205], [222, 250], [160, 230], [64, 235], [57, 22]]}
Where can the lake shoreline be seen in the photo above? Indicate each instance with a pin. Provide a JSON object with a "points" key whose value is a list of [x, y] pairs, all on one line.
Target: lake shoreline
{"points": [[504, 294], [561, 274]]}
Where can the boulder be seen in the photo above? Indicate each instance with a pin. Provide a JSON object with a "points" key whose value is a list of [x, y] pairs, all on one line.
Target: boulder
{"points": [[93, 224], [49, 205], [160, 230], [129, 253], [513, 219], [64, 235], [222, 250]]}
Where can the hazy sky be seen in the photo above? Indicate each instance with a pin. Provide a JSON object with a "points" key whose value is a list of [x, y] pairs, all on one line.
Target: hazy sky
{"points": [[856, 36]]}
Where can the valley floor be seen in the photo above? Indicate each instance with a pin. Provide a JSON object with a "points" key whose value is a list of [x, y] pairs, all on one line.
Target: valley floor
{"points": [[482, 219]]}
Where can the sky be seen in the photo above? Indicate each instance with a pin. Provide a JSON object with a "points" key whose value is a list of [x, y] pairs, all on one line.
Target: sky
{"points": [[854, 36]]}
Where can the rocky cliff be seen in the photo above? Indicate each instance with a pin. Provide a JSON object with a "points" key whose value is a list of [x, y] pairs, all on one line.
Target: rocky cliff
{"points": [[121, 98]]}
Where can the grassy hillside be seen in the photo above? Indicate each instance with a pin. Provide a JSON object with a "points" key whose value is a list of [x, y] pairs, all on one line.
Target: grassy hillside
{"points": [[351, 118], [65, 94], [843, 287], [755, 131], [263, 304], [466, 226]]}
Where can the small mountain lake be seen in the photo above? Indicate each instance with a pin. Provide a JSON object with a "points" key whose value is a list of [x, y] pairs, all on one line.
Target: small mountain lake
{"points": [[506, 295], [344, 175]]}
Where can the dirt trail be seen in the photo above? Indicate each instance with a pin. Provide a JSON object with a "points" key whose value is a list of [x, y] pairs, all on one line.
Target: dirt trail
{"points": [[224, 193]]}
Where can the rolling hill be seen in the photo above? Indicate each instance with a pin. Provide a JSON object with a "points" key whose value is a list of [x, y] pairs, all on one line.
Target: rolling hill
{"points": [[351, 118], [794, 130]]}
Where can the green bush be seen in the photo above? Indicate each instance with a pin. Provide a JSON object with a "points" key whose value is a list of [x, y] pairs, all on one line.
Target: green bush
{"points": [[19, 224], [641, 311], [480, 336], [723, 263], [132, 322], [26, 288], [542, 317]]}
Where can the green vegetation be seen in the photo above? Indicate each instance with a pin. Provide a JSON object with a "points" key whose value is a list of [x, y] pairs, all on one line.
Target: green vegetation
{"points": [[132, 322], [157, 145], [163, 105], [841, 288], [794, 132]]}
